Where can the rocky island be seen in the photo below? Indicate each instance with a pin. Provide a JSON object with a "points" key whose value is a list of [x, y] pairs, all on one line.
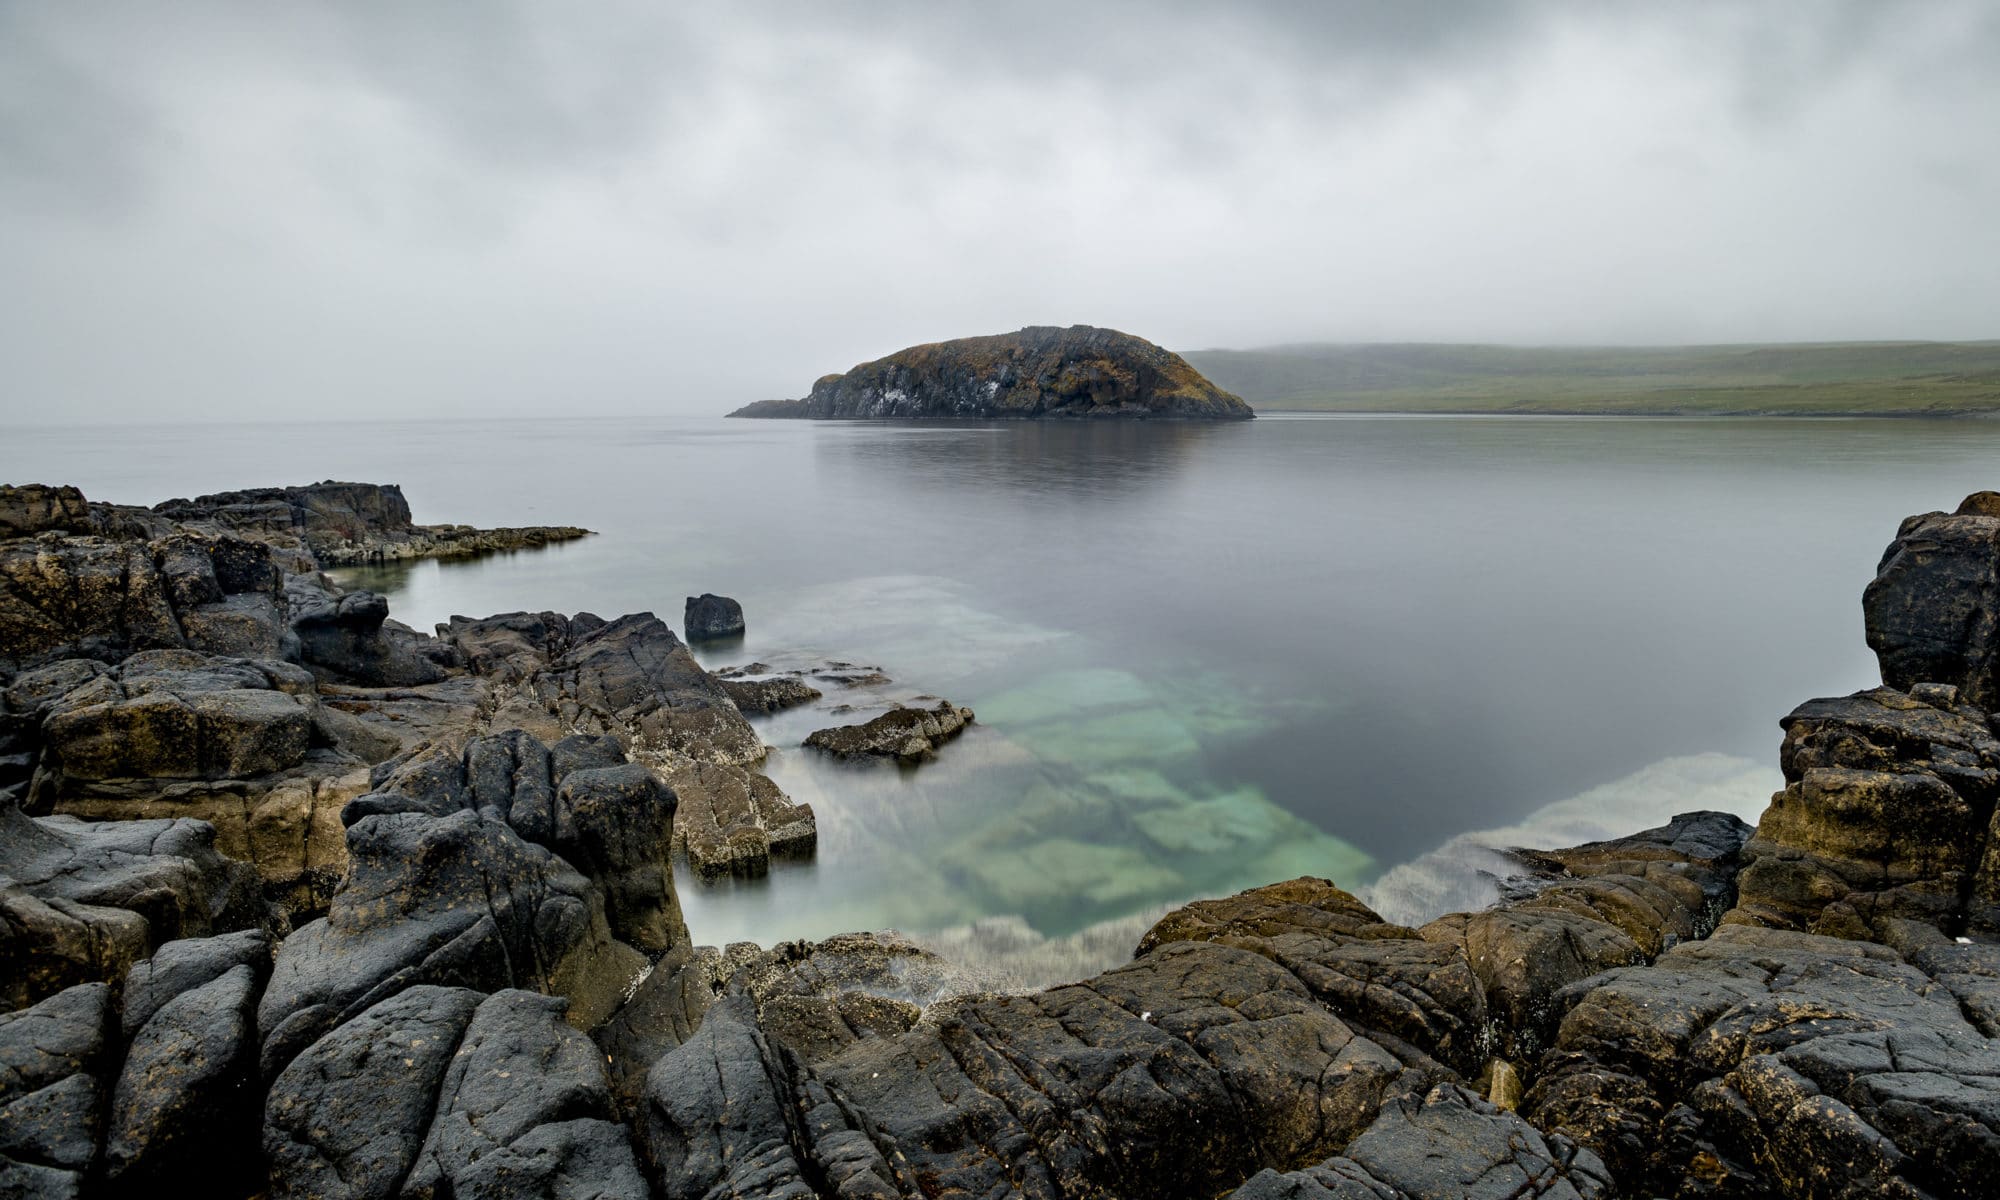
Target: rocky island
{"points": [[1040, 371], [297, 902]]}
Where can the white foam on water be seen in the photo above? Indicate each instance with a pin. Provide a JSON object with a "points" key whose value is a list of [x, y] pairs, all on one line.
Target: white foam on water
{"points": [[1464, 874]]}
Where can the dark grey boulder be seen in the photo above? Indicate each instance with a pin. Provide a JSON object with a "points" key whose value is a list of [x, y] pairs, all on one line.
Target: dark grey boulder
{"points": [[346, 635], [346, 1118], [525, 1110], [187, 964], [1448, 1145], [458, 900], [183, 1115], [82, 902], [711, 618], [1933, 609], [55, 1061]]}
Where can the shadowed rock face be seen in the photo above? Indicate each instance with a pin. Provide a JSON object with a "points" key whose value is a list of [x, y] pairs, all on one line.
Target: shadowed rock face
{"points": [[1040, 371], [1933, 609]]}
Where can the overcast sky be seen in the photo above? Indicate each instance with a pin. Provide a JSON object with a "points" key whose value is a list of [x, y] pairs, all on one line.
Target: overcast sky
{"points": [[336, 210]]}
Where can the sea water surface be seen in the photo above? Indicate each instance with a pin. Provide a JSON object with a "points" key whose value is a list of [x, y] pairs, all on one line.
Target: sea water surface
{"points": [[1203, 657]]}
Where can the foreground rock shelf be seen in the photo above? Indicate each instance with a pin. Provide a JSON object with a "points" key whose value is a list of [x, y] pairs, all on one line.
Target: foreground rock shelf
{"points": [[364, 913]]}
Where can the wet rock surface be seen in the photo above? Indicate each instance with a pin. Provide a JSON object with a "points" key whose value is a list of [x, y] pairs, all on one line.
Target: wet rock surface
{"points": [[734, 821], [712, 618], [904, 733]]}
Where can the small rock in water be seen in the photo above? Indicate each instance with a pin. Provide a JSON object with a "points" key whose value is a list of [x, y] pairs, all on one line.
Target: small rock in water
{"points": [[710, 617]]}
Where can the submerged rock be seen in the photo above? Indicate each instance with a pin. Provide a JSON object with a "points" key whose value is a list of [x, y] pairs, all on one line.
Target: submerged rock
{"points": [[1039, 371], [909, 735]]}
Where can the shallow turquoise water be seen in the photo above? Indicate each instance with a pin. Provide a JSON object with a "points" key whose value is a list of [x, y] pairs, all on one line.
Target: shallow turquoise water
{"points": [[1202, 657]]}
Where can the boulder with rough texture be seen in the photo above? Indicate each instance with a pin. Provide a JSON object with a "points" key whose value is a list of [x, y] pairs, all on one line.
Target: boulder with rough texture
{"points": [[710, 618], [346, 635], [733, 821], [1768, 1062], [81, 903], [1136, 1082], [525, 1109], [347, 1118], [183, 1113], [630, 678], [906, 734], [768, 695], [1447, 1145], [56, 1060], [1888, 803], [31, 508], [1933, 609], [458, 900], [1039, 371]]}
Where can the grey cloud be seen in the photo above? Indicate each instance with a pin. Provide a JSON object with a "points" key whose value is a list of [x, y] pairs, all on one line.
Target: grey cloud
{"points": [[631, 205]]}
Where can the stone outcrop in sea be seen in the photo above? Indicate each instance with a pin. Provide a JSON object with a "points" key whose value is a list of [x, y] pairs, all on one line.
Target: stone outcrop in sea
{"points": [[329, 936], [1039, 371]]}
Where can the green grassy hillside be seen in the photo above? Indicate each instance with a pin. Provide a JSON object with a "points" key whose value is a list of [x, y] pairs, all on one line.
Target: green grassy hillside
{"points": [[1800, 379]]}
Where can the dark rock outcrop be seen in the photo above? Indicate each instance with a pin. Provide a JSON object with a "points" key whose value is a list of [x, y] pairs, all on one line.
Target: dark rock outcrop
{"points": [[711, 618], [1933, 609], [81, 903], [1040, 371], [457, 900], [733, 821], [906, 734], [342, 524], [56, 1060], [630, 678], [1886, 815]]}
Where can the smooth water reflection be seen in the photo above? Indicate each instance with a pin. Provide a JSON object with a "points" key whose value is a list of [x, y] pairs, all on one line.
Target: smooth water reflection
{"points": [[1202, 656]]}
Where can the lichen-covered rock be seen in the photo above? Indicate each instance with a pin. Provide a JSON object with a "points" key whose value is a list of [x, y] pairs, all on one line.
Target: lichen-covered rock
{"points": [[1039, 371], [1769, 1062], [1887, 805], [710, 617], [906, 734], [1447, 1145], [733, 821], [55, 1062], [768, 695]]}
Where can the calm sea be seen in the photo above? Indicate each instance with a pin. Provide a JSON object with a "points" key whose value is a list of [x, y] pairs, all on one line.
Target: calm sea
{"points": [[1202, 657]]}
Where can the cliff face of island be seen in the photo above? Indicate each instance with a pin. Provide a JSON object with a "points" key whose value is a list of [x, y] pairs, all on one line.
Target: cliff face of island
{"points": [[1040, 371], [298, 903]]}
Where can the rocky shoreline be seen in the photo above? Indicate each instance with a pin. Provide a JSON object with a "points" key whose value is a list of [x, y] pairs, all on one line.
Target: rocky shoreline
{"points": [[298, 902]]}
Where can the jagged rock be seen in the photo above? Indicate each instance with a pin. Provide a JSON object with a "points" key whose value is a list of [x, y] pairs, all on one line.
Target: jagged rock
{"points": [[347, 523], [663, 1011], [768, 695], [183, 1113], [344, 635], [181, 966], [1764, 1061], [1448, 1145], [1933, 609], [1132, 1083], [54, 1062], [32, 508], [909, 735], [734, 821], [630, 678], [1040, 371], [81, 597], [347, 1118], [710, 617], [80, 902], [1381, 977], [458, 900], [525, 1110], [243, 744], [1887, 806]]}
